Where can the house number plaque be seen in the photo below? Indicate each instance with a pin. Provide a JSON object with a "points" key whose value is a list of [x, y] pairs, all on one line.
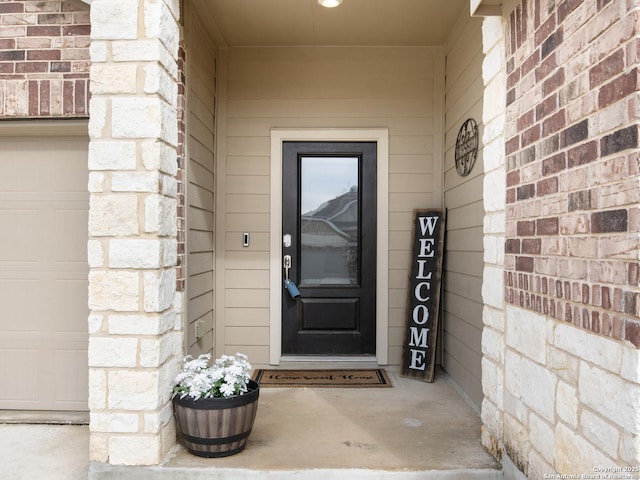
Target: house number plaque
{"points": [[466, 147], [423, 298]]}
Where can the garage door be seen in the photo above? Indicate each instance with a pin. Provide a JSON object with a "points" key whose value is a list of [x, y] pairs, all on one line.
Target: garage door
{"points": [[43, 273]]}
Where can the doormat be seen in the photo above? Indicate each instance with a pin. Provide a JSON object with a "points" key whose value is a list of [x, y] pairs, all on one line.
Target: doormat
{"points": [[355, 378]]}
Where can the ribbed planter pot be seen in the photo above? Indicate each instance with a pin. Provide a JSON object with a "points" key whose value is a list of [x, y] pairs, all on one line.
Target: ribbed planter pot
{"points": [[217, 427]]}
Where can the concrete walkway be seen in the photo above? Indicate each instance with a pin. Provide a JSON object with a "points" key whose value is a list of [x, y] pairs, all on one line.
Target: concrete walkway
{"points": [[45, 452], [414, 430]]}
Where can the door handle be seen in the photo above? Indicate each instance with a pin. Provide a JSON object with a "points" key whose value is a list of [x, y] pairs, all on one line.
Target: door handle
{"points": [[288, 284]]}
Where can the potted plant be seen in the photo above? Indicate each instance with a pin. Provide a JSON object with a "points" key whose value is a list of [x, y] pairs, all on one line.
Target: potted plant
{"points": [[215, 406]]}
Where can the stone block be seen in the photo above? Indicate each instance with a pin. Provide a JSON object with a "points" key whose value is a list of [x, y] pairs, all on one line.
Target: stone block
{"points": [[516, 442], [493, 133], [159, 288], [526, 333], [169, 186], [574, 455], [98, 52], [135, 182], [169, 252], [494, 188], [492, 247], [113, 78], [169, 370], [98, 117], [538, 467], [588, 346], [155, 351], [630, 448], [492, 382], [137, 324], [114, 290], [134, 450], [113, 422], [492, 33], [135, 253], [567, 404], [541, 437], [134, 390], [532, 383], [600, 432], [170, 125], [493, 345], [159, 156], [110, 155], [514, 407], [151, 50], [99, 447], [96, 182], [95, 254], [493, 286], [95, 322], [158, 81], [493, 156], [610, 396], [160, 215], [97, 389], [492, 418], [112, 351], [160, 23], [155, 421], [114, 19], [113, 215], [494, 318], [630, 369], [136, 117]]}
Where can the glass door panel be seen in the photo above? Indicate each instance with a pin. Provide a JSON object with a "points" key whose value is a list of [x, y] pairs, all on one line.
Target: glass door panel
{"points": [[329, 221]]}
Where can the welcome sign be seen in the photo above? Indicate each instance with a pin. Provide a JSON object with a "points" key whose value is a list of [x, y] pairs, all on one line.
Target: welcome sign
{"points": [[423, 302]]}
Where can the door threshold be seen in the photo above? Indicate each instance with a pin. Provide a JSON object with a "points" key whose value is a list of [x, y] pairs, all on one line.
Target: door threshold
{"points": [[365, 359]]}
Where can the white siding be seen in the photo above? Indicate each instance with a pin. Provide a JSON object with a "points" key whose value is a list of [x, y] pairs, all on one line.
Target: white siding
{"points": [[323, 87], [200, 188], [462, 319]]}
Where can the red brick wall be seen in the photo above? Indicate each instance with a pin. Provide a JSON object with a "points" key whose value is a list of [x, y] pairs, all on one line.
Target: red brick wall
{"points": [[44, 59], [573, 190]]}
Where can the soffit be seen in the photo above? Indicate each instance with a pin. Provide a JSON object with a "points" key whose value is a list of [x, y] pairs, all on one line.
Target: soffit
{"points": [[239, 23]]}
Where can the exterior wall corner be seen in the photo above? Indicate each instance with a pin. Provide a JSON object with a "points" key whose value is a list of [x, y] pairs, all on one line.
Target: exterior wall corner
{"points": [[136, 333]]}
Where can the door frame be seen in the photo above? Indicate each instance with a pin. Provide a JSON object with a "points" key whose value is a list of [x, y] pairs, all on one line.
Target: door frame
{"points": [[381, 137]]}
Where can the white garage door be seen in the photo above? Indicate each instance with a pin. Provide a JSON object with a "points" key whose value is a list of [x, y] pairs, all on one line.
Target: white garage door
{"points": [[43, 273]]}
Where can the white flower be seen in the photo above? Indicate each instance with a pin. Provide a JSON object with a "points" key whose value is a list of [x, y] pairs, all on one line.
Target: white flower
{"points": [[228, 376]]}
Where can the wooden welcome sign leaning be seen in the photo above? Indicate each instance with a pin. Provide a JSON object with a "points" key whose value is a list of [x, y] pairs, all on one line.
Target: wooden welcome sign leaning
{"points": [[423, 298]]}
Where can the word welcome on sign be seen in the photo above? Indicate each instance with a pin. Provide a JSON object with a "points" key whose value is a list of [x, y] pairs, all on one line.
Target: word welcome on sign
{"points": [[423, 302]]}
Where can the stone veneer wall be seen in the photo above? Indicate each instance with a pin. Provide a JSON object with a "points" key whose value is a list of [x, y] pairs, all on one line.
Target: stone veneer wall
{"points": [[136, 313], [561, 366], [44, 59]]}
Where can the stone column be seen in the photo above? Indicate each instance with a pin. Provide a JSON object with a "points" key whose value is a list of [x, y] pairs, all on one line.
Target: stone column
{"points": [[135, 321], [493, 341]]}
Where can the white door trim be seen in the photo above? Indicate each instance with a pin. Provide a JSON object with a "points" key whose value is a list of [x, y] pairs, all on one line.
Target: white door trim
{"points": [[381, 137]]}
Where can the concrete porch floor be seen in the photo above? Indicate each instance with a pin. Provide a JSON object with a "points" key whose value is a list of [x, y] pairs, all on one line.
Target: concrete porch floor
{"points": [[414, 430]]}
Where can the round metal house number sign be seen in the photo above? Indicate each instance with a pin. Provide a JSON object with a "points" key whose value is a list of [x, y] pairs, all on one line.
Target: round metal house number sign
{"points": [[466, 147]]}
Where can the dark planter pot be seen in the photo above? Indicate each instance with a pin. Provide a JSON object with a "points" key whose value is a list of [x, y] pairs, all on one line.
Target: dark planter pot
{"points": [[217, 427]]}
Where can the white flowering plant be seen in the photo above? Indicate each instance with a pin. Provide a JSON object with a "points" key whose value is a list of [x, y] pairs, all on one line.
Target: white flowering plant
{"points": [[227, 377]]}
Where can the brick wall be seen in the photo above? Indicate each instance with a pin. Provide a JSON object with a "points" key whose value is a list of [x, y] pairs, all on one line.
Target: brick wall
{"points": [[44, 59], [573, 191]]}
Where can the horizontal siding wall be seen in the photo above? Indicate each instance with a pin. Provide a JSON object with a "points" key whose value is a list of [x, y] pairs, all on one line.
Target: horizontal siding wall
{"points": [[345, 87], [462, 305], [200, 190]]}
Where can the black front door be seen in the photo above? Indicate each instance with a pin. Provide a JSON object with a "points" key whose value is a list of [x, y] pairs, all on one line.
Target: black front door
{"points": [[329, 241]]}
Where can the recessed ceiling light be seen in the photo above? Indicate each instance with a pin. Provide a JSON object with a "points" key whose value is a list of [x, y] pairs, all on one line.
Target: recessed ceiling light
{"points": [[330, 3]]}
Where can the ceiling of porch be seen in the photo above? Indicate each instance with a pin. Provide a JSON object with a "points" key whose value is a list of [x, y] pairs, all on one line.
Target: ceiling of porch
{"points": [[238, 23]]}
